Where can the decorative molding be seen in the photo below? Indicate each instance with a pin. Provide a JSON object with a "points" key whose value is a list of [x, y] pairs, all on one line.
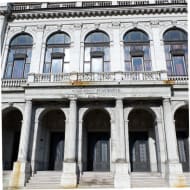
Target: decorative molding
{"points": [[116, 25]]}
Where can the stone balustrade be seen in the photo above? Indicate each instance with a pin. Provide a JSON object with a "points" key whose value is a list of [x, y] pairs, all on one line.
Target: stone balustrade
{"points": [[102, 76], [96, 77], [179, 79], [13, 82]]}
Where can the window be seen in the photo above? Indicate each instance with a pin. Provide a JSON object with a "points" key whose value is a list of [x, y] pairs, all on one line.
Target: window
{"points": [[96, 53], [57, 56], [19, 57], [137, 51], [175, 44]]}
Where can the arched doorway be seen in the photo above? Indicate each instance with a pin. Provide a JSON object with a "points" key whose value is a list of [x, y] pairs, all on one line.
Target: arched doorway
{"points": [[51, 140], [96, 140], [11, 128], [142, 147], [182, 132]]}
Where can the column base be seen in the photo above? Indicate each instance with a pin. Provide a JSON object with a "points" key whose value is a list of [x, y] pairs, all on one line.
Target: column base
{"points": [[69, 175], [122, 178], [20, 174], [175, 175]]}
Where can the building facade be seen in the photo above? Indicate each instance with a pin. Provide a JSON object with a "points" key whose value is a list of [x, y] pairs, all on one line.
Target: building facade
{"points": [[95, 89]]}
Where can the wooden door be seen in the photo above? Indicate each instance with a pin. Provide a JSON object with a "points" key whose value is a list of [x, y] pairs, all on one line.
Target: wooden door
{"points": [[183, 150], [56, 151], [139, 152], [98, 152]]}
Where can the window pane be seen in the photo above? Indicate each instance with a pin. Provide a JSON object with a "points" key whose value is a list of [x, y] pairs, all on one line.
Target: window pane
{"points": [[58, 50], [179, 66], [29, 54], [19, 50], [106, 54], [18, 68], [97, 64], [56, 65], [137, 63], [106, 66], [127, 66], [127, 53], [8, 71], [10, 56], [47, 68], [27, 68], [67, 55], [169, 68], [48, 55]]}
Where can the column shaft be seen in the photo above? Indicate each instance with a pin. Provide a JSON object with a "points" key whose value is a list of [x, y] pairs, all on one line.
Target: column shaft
{"points": [[25, 132], [70, 134], [171, 140], [120, 127]]}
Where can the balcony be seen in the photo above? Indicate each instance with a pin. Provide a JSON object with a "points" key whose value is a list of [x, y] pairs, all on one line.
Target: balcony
{"points": [[150, 77]]}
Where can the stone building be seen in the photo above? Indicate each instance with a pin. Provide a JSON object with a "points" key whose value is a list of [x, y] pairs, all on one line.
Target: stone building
{"points": [[95, 93]]}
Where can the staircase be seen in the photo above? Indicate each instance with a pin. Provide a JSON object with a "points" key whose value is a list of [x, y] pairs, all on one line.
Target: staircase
{"points": [[141, 179], [45, 180], [6, 178], [96, 180]]}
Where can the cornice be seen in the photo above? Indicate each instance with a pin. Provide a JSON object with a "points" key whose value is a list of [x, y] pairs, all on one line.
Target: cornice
{"points": [[111, 11]]}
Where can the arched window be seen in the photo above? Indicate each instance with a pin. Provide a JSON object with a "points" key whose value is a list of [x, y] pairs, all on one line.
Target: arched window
{"points": [[137, 51], [97, 52], [57, 56], [175, 44], [19, 57]]}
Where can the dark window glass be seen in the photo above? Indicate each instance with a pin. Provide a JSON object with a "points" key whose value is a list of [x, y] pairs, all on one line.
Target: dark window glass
{"points": [[175, 35], [59, 38], [57, 56], [137, 51], [97, 37], [18, 68], [176, 50], [137, 63], [97, 52], [136, 36], [19, 57]]}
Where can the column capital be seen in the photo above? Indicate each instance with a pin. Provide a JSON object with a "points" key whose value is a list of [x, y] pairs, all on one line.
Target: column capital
{"points": [[165, 100], [73, 99]]}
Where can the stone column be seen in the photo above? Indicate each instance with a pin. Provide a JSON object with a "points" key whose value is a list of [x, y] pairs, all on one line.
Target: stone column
{"points": [[152, 150], [34, 147], [80, 145], [127, 141], [174, 168], [69, 176], [21, 168], [161, 146], [121, 178]]}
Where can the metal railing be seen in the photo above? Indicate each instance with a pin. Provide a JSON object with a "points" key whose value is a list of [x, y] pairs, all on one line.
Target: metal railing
{"points": [[179, 79]]}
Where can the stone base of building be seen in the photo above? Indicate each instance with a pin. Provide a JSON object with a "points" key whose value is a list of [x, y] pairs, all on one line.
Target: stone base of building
{"points": [[175, 175], [122, 178], [69, 176], [20, 174]]}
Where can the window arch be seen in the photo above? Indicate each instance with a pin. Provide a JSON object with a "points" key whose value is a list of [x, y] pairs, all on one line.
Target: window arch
{"points": [[97, 52], [137, 51], [176, 51], [19, 56], [57, 56]]}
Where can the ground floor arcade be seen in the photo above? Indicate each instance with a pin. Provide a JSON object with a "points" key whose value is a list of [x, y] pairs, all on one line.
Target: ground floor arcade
{"points": [[76, 135]]}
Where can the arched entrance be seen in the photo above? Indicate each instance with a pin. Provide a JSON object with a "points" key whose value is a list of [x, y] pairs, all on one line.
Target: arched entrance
{"points": [[51, 139], [11, 128], [142, 141], [96, 140], [182, 132]]}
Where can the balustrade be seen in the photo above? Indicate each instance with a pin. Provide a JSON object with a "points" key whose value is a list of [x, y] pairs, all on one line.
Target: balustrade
{"points": [[99, 77]]}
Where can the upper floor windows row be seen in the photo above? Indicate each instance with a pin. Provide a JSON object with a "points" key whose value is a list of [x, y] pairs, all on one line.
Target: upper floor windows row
{"points": [[137, 55]]}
